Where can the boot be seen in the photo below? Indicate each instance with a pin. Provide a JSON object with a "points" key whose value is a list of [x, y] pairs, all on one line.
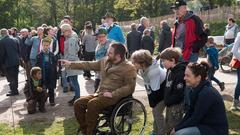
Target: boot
{"points": [[222, 86], [234, 106]]}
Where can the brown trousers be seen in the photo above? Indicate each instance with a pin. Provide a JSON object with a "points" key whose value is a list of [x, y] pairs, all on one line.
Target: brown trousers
{"points": [[87, 110]]}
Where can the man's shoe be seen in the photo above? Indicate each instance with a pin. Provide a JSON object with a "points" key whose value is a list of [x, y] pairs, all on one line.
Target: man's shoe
{"points": [[65, 89], [222, 86], [43, 110], [71, 101], [12, 94], [52, 104]]}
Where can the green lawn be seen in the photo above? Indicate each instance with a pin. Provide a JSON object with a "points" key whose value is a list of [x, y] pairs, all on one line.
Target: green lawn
{"points": [[69, 126]]}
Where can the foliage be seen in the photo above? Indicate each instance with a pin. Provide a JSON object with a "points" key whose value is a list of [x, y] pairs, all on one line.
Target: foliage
{"points": [[27, 13]]}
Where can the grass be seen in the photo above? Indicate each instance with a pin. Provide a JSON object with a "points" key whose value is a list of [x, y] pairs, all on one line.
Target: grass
{"points": [[69, 126]]}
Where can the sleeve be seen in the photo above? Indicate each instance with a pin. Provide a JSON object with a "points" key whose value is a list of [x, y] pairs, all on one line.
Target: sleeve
{"points": [[2, 54], [87, 65], [121, 36], [57, 48], [129, 87], [29, 41], [235, 48], [38, 60], [201, 108], [161, 41], [128, 42]]}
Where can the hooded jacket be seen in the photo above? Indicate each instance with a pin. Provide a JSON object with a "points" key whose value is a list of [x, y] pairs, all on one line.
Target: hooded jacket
{"points": [[165, 38], [192, 36], [175, 85]]}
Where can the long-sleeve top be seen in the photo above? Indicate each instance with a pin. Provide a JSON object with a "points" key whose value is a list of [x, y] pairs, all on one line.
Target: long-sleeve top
{"points": [[115, 33], [207, 111], [35, 42], [235, 49]]}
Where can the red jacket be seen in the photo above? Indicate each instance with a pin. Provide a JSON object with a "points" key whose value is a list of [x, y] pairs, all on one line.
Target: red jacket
{"points": [[193, 36]]}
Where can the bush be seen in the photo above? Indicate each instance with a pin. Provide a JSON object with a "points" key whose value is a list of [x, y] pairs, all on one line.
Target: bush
{"points": [[218, 28]]}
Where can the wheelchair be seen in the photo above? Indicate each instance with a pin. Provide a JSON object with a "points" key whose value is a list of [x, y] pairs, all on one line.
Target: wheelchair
{"points": [[127, 117]]}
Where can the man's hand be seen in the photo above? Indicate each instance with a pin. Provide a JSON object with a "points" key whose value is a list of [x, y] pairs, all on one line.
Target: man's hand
{"points": [[107, 94], [65, 63]]}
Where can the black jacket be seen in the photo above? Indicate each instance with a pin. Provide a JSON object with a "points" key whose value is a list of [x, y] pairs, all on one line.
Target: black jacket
{"points": [[133, 41], [24, 49], [9, 52], [147, 43], [175, 85], [165, 38], [207, 111]]}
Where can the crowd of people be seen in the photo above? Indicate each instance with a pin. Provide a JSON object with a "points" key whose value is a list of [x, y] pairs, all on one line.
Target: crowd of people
{"points": [[177, 84]]}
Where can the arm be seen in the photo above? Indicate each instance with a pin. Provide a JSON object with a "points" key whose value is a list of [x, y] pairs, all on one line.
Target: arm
{"points": [[57, 48], [121, 36], [200, 110], [129, 87], [161, 41], [87, 65], [29, 41], [235, 48]]}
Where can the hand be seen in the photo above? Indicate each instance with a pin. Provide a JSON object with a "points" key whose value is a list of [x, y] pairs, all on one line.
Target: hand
{"points": [[172, 132], [39, 89], [107, 94], [65, 63]]}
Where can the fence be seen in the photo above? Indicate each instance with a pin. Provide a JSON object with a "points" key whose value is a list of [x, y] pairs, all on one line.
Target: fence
{"points": [[217, 14]]}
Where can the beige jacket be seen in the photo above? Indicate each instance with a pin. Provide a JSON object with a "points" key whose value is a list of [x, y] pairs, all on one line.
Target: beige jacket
{"points": [[119, 79]]}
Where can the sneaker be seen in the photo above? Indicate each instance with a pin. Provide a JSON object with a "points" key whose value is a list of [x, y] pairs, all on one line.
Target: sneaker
{"points": [[12, 94], [234, 106], [222, 86], [65, 89]]}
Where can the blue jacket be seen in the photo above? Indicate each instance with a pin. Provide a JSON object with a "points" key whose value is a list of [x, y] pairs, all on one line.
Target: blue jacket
{"points": [[115, 33], [34, 42], [212, 54]]}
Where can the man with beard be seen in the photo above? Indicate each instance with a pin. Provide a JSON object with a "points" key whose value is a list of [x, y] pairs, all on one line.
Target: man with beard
{"points": [[118, 81]]}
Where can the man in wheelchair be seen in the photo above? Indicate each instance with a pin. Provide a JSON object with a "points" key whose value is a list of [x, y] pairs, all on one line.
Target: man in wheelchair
{"points": [[118, 81]]}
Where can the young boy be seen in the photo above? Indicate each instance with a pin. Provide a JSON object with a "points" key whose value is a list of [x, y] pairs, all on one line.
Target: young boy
{"points": [[212, 57], [37, 91], [48, 63], [175, 85]]}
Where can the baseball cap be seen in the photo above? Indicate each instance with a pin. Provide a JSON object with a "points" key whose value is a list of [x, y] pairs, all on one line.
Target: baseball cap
{"points": [[178, 3]]}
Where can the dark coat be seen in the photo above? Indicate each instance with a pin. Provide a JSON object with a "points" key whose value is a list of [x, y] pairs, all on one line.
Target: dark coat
{"points": [[24, 49], [49, 72], [165, 38], [141, 28], [175, 85], [9, 52], [207, 111], [147, 43], [133, 41]]}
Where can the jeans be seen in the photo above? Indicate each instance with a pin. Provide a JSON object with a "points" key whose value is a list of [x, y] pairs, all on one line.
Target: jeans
{"points": [[193, 57], [237, 89], [188, 131], [75, 85], [64, 79], [89, 56], [12, 78]]}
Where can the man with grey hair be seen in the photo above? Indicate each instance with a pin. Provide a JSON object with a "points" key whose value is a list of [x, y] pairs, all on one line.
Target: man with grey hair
{"points": [[133, 39], [145, 24], [9, 60]]}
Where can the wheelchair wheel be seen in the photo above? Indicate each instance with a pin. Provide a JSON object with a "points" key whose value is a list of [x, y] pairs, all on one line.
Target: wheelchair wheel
{"points": [[224, 64], [128, 118], [102, 126]]}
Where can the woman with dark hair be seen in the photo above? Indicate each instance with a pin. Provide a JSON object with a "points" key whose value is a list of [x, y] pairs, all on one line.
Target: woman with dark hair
{"points": [[231, 31], [206, 114]]}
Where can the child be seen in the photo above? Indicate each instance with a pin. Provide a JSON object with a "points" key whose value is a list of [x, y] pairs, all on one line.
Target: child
{"points": [[175, 85], [37, 91], [101, 51], [212, 57], [147, 42], [154, 81], [47, 62]]}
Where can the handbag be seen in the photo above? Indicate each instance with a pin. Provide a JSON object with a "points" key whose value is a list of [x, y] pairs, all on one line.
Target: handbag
{"points": [[235, 63]]}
